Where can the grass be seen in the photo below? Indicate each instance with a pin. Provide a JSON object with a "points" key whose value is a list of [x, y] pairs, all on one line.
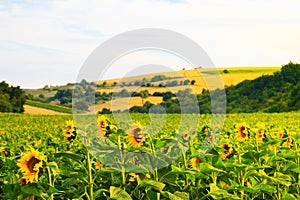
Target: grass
{"points": [[48, 106]]}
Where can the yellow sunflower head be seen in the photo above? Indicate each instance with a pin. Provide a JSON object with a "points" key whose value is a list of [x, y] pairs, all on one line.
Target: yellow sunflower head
{"points": [[70, 132], [194, 162], [98, 165], [29, 165], [70, 124], [228, 149], [281, 133], [135, 137], [260, 135], [133, 177], [185, 137], [102, 123], [242, 130], [205, 130], [288, 142]]}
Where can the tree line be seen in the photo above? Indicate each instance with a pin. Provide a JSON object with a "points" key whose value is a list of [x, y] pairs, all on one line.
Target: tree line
{"points": [[12, 98]]}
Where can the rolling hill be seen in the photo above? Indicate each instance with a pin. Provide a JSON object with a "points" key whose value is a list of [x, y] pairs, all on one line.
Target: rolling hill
{"points": [[171, 81]]}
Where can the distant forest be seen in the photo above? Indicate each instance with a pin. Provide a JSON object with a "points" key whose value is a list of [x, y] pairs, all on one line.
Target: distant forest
{"points": [[12, 98]]}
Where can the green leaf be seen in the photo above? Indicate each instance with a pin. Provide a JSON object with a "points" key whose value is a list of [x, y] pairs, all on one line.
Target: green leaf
{"points": [[247, 189], [152, 195], [54, 168], [118, 194], [297, 170], [152, 184], [207, 168], [100, 192], [32, 189], [267, 188], [218, 193], [287, 153], [287, 196], [170, 178], [178, 196], [72, 156]]}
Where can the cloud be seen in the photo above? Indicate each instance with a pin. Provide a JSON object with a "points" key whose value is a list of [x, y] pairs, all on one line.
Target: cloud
{"points": [[59, 35]]}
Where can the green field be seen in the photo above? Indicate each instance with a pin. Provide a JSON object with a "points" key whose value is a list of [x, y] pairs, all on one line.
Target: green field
{"points": [[49, 106], [256, 157]]}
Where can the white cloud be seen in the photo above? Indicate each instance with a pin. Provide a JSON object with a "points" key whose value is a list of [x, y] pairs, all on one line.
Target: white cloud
{"points": [[233, 32]]}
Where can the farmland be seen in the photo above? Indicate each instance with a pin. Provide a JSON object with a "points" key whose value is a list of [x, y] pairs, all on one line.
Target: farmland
{"points": [[256, 157], [40, 111], [230, 76]]}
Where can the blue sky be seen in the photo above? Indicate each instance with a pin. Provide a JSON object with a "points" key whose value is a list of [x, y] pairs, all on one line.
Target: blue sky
{"points": [[46, 42]]}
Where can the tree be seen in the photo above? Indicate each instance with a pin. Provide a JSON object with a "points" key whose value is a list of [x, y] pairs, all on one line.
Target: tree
{"points": [[144, 94], [193, 82], [186, 82], [167, 95], [105, 111], [5, 105], [225, 71], [12, 99], [158, 78]]}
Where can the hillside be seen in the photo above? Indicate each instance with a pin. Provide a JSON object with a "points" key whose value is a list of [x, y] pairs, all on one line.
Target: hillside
{"points": [[230, 76], [152, 83], [279, 92]]}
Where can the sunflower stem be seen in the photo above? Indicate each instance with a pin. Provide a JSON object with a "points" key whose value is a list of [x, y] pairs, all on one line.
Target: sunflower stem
{"points": [[185, 165], [49, 181], [155, 170], [122, 162], [89, 167]]}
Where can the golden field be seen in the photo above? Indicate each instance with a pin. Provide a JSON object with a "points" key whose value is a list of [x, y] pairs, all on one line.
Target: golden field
{"points": [[234, 76], [40, 111]]}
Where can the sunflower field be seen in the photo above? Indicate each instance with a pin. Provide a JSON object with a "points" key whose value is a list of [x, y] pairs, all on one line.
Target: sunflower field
{"points": [[256, 156]]}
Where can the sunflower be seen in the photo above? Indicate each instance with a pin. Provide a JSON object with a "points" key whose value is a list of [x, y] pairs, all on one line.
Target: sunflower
{"points": [[185, 137], [242, 132], [194, 162], [133, 177], [282, 133], [102, 123], [4, 151], [288, 142], [135, 138], [260, 136], [98, 165], [228, 151], [205, 130], [70, 133], [29, 165]]}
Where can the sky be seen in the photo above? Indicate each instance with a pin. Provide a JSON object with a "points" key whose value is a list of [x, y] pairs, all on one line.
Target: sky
{"points": [[47, 42]]}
